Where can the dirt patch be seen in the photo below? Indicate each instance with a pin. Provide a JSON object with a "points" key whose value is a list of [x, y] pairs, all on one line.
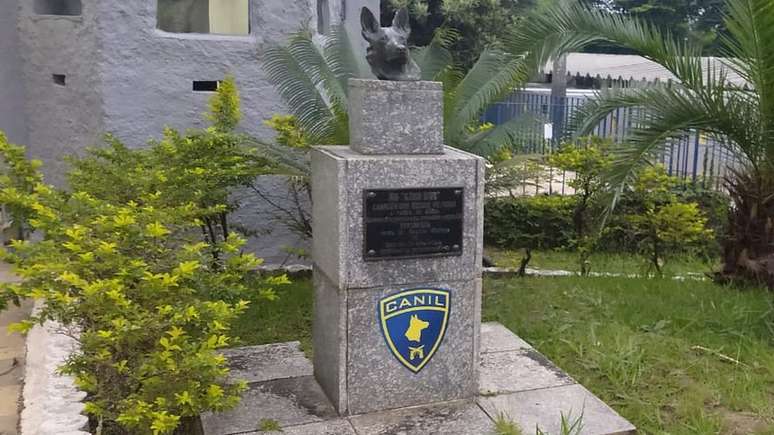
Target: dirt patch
{"points": [[742, 423]]}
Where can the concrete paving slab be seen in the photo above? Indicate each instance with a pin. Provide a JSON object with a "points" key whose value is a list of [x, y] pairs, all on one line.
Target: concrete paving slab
{"points": [[522, 370], [544, 409], [333, 427], [290, 402], [497, 338], [268, 362], [450, 418], [12, 359]]}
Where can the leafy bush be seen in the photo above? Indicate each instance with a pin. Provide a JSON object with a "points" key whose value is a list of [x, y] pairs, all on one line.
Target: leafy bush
{"points": [[547, 222], [200, 167], [135, 286], [131, 265], [664, 225], [535, 222], [288, 131], [588, 161], [19, 176]]}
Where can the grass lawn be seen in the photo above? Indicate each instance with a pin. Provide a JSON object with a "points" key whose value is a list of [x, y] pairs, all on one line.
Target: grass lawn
{"points": [[287, 319], [655, 350], [658, 351], [600, 262]]}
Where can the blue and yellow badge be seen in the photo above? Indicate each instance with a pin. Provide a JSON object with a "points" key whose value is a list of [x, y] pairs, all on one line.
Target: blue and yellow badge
{"points": [[414, 323]]}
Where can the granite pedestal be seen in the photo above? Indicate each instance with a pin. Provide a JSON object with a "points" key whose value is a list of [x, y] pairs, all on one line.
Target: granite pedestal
{"points": [[421, 231]]}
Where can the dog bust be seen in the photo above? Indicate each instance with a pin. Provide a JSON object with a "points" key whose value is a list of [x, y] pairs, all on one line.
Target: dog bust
{"points": [[388, 52]]}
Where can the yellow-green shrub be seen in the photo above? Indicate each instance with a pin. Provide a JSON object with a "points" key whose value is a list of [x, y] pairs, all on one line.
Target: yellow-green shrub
{"points": [[129, 264]]}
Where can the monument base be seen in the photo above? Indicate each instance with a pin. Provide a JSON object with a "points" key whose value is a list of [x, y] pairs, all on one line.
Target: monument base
{"points": [[515, 381]]}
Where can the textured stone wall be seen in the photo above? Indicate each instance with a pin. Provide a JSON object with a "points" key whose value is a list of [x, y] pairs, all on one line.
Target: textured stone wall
{"points": [[126, 77], [61, 120], [12, 119]]}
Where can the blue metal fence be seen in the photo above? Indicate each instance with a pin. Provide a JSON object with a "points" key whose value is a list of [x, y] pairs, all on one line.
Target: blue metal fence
{"points": [[695, 158]]}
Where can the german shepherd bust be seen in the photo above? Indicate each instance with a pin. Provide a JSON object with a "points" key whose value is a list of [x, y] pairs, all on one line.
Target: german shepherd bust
{"points": [[388, 52]]}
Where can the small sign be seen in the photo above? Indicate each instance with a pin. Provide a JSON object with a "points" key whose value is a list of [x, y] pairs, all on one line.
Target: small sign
{"points": [[413, 223], [548, 131], [414, 323]]}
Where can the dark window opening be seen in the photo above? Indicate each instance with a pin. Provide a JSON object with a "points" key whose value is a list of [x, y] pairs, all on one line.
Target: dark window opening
{"points": [[58, 7], [226, 17], [59, 79], [205, 85], [323, 17]]}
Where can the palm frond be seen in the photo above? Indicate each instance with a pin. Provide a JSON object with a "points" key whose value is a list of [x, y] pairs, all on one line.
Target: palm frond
{"points": [[435, 58], [665, 113], [495, 74], [750, 53], [505, 135], [288, 161], [569, 26], [341, 58], [295, 73]]}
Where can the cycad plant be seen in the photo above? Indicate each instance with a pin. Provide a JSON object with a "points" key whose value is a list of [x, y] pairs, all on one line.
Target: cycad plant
{"points": [[702, 98], [312, 80]]}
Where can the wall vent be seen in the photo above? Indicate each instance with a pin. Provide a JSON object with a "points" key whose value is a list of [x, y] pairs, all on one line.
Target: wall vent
{"points": [[58, 7], [59, 79], [205, 85]]}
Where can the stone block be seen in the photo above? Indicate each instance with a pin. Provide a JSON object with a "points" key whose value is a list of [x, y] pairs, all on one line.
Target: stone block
{"points": [[376, 380], [340, 178], [396, 117], [332, 427], [497, 338], [329, 338], [267, 362], [452, 418], [506, 372], [544, 408], [290, 402]]}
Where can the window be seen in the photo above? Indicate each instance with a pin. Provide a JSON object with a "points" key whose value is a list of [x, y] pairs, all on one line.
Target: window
{"points": [[323, 17], [205, 85], [58, 7], [227, 17], [59, 79]]}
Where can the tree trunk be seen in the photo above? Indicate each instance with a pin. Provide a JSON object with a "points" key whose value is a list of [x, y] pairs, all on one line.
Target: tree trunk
{"points": [[748, 249]]}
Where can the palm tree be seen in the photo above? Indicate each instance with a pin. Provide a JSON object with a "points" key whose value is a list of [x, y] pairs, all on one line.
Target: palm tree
{"points": [[703, 98], [312, 80]]}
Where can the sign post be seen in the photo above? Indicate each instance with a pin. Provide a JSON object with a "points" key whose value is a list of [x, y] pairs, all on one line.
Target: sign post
{"points": [[397, 221]]}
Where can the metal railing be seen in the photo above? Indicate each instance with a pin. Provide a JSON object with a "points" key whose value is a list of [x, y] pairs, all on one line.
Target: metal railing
{"points": [[695, 158]]}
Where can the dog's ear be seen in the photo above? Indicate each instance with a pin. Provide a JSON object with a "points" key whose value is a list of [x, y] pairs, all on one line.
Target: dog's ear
{"points": [[401, 21], [370, 27]]}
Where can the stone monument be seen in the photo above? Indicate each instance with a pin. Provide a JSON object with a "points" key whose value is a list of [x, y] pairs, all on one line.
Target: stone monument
{"points": [[397, 255], [397, 250]]}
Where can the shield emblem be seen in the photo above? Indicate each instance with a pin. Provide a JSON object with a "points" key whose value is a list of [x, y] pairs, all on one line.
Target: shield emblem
{"points": [[414, 323]]}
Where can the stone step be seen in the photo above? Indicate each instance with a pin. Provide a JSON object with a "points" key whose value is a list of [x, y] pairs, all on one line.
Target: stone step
{"points": [[516, 383]]}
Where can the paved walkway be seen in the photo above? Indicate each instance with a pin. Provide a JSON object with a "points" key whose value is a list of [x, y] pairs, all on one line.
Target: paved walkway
{"points": [[516, 383], [12, 352]]}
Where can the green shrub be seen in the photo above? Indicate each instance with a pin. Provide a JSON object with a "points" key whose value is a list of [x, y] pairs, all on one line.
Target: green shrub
{"points": [[135, 286], [225, 112], [19, 176], [131, 265], [201, 167], [588, 161], [546, 222], [536, 222], [288, 131], [664, 225]]}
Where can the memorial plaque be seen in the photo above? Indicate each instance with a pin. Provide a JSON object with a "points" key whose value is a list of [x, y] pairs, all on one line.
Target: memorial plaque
{"points": [[413, 223]]}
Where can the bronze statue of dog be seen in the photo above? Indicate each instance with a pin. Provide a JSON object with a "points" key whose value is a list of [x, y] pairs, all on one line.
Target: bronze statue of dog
{"points": [[388, 52]]}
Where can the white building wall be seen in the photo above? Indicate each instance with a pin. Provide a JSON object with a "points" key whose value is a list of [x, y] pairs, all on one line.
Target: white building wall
{"points": [[12, 109], [62, 120]]}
